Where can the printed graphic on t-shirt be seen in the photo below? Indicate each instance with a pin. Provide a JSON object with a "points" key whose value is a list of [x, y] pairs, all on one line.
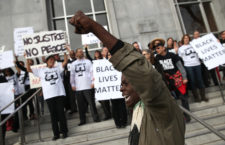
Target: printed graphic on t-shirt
{"points": [[21, 79], [190, 52], [80, 68], [167, 64], [51, 77]]}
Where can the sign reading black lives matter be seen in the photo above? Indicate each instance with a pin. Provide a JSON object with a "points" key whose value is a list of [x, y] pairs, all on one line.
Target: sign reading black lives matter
{"points": [[44, 43], [107, 80], [209, 50]]}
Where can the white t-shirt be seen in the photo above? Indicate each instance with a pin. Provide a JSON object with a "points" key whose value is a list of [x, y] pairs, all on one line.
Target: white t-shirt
{"points": [[20, 82], [13, 79], [189, 56], [82, 72], [51, 81]]}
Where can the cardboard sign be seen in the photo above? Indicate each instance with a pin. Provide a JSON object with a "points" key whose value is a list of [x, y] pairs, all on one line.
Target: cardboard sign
{"points": [[2, 48], [209, 50], [18, 42], [35, 82], [6, 97], [107, 80], [44, 43], [90, 38], [6, 59]]}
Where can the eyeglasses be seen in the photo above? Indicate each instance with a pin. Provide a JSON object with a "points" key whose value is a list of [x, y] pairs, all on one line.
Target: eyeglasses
{"points": [[157, 46]]}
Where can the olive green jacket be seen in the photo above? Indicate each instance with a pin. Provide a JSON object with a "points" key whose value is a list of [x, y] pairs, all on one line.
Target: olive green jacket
{"points": [[163, 122]]}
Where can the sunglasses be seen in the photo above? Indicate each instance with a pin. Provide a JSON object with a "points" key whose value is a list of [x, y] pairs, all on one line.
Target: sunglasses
{"points": [[157, 46]]}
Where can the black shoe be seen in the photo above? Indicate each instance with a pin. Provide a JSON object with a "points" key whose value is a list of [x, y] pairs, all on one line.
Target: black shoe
{"points": [[81, 123], [55, 138], [64, 135], [98, 120], [118, 126], [107, 118], [71, 112]]}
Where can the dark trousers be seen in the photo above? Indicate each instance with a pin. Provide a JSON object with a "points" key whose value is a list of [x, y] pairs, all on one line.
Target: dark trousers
{"points": [[3, 116], [194, 74], [16, 124], [70, 99], [30, 103], [106, 108], [184, 101], [56, 109], [84, 97], [205, 75], [213, 75], [119, 112]]}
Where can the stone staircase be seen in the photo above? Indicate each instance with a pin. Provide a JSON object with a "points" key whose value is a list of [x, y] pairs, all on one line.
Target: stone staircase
{"points": [[105, 132]]}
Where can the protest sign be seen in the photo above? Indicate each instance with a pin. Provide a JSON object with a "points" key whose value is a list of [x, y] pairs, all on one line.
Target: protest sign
{"points": [[107, 80], [209, 50], [6, 97], [18, 42], [90, 38], [44, 43], [2, 48], [6, 59], [35, 82]]}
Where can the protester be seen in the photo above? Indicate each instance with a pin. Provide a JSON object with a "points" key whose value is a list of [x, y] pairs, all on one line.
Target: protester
{"points": [[54, 93], [71, 97], [222, 41], [174, 72], [156, 118], [119, 110], [104, 103], [136, 46], [30, 92], [193, 68], [81, 79], [3, 116], [172, 45]]}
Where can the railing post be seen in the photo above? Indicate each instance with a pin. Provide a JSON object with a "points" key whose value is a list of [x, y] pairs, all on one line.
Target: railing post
{"points": [[21, 122], [38, 114], [220, 86], [1, 133]]}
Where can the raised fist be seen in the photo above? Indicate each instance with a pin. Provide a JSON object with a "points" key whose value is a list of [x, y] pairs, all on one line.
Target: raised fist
{"points": [[83, 24]]}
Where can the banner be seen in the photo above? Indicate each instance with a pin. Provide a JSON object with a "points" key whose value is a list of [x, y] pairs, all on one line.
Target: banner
{"points": [[107, 80], [44, 43], [209, 50], [35, 82], [2, 48], [6, 97], [6, 59], [90, 38], [18, 42]]}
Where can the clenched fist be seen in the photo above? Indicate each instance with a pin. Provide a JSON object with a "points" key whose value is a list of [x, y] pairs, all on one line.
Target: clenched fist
{"points": [[83, 24]]}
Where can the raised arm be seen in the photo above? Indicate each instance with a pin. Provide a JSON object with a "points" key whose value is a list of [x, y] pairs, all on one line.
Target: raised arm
{"points": [[28, 67], [65, 60], [87, 54]]}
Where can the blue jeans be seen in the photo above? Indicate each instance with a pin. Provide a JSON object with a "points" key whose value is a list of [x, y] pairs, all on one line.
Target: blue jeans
{"points": [[195, 78]]}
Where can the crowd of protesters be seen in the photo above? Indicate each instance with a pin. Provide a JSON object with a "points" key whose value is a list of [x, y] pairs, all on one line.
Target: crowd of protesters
{"points": [[68, 84]]}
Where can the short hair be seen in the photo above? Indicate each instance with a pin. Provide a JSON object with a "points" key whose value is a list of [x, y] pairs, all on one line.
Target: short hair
{"points": [[196, 31], [182, 40], [78, 49], [222, 32], [135, 42]]}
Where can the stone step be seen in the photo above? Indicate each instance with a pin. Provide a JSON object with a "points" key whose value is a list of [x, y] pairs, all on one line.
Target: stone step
{"points": [[204, 139], [210, 111], [204, 105], [196, 126]]}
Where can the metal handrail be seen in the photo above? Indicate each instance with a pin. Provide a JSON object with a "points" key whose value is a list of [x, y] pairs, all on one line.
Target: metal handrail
{"points": [[17, 98], [208, 126], [20, 107]]}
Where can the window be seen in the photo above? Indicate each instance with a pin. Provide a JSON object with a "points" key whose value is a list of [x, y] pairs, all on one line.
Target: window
{"points": [[196, 15], [60, 11]]}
